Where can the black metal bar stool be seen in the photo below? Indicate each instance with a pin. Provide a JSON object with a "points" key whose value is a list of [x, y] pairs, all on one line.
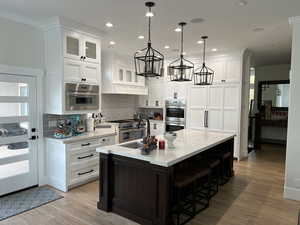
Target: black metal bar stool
{"points": [[215, 165], [189, 193], [226, 160]]}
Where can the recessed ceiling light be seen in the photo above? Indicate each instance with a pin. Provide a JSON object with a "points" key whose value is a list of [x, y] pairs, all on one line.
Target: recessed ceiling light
{"points": [[141, 37], [167, 46], [214, 50], [200, 42], [149, 14], [109, 24], [112, 43], [178, 29], [197, 20], [243, 3], [258, 29]]}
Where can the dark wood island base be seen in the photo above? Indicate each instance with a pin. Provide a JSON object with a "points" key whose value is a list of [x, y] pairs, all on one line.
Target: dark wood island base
{"points": [[139, 190]]}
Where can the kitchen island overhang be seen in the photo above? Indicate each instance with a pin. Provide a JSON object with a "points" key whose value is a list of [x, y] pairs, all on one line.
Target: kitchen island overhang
{"points": [[139, 187]]}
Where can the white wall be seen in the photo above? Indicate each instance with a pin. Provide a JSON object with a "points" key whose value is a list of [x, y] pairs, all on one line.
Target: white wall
{"points": [[292, 176], [21, 45], [118, 107]]}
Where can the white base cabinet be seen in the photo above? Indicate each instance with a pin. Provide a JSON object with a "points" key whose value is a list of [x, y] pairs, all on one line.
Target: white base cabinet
{"points": [[70, 165]]}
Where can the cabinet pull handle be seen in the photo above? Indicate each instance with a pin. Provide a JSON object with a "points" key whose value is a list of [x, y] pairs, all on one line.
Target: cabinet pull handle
{"points": [[206, 119], [80, 174], [223, 80], [83, 79], [146, 102], [87, 144], [156, 103], [154, 126], [87, 156]]}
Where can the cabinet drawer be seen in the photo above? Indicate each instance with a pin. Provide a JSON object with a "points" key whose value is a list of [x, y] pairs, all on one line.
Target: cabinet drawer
{"points": [[83, 156], [82, 174], [83, 144]]}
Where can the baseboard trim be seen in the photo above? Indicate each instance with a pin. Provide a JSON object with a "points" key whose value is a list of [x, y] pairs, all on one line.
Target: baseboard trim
{"points": [[291, 193]]}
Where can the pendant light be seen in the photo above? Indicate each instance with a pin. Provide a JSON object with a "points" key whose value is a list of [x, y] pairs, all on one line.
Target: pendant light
{"points": [[181, 69], [204, 75], [148, 61]]}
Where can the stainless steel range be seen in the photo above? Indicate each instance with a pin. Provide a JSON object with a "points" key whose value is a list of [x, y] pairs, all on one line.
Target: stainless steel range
{"points": [[130, 129]]}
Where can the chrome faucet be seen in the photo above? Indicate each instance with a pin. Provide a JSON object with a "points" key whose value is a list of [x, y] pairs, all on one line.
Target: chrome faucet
{"points": [[142, 117]]}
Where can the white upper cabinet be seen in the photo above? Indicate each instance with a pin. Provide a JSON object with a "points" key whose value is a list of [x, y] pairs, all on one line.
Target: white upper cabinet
{"points": [[91, 48], [227, 69], [72, 70], [72, 55], [72, 45], [90, 73], [81, 47], [118, 75]]}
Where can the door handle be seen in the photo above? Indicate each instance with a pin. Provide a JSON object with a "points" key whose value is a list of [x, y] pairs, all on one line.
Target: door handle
{"points": [[80, 174], [207, 119], [87, 144], [84, 157]]}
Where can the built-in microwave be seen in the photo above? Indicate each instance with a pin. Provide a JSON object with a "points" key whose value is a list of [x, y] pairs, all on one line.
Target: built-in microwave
{"points": [[81, 97]]}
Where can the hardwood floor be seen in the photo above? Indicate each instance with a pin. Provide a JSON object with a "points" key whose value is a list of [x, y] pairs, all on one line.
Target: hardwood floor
{"points": [[253, 196]]}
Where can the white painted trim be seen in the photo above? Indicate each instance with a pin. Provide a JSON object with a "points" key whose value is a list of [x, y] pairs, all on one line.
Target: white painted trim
{"points": [[20, 19], [13, 70], [293, 20], [13, 119], [291, 193]]}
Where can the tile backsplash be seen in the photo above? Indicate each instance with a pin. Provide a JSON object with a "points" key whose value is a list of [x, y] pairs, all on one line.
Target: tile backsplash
{"points": [[118, 107], [50, 122]]}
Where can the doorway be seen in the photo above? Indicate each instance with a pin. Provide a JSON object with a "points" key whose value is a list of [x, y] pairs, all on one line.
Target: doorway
{"points": [[18, 121]]}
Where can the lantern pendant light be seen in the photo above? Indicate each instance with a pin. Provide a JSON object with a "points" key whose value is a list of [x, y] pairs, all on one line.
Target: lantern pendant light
{"points": [[148, 61], [181, 69], [204, 75]]}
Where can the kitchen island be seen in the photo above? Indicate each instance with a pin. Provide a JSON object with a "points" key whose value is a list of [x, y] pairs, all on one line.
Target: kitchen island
{"points": [[139, 187]]}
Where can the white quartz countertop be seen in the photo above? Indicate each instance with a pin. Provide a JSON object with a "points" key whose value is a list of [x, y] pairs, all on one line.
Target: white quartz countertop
{"points": [[98, 133], [189, 142]]}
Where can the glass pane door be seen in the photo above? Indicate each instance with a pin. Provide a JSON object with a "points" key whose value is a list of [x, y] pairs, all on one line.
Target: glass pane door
{"points": [[72, 46], [91, 47], [18, 163]]}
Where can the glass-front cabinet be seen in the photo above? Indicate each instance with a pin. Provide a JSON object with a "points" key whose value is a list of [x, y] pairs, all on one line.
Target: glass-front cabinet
{"points": [[72, 45], [81, 47]]}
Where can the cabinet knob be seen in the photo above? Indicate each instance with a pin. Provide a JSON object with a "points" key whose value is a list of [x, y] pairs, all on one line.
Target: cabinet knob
{"points": [[84, 57], [81, 58]]}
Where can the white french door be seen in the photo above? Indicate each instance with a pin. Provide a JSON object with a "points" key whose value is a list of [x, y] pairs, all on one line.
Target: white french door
{"points": [[18, 145]]}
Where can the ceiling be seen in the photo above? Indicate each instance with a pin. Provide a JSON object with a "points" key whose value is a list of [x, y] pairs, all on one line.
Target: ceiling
{"points": [[228, 24]]}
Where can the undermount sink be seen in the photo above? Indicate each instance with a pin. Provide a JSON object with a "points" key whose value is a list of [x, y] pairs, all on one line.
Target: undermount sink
{"points": [[134, 145]]}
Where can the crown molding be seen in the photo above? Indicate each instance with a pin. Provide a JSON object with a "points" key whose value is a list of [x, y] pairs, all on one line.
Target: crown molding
{"points": [[20, 19]]}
